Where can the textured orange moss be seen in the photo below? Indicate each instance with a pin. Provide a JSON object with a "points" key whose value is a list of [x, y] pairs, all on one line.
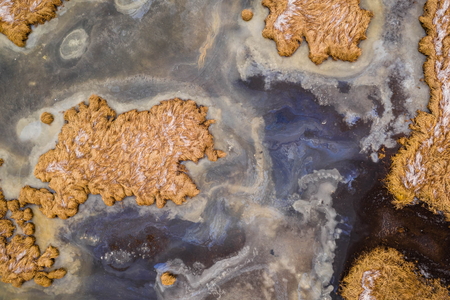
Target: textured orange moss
{"points": [[331, 27], [420, 169], [247, 15], [383, 273], [20, 258], [22, 217], [17, 16], [135, 153], [168, 278], [47, 118]]}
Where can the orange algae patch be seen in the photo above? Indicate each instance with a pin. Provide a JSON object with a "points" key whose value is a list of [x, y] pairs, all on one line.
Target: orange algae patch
{"points": [[47, 118], [168, 278], [17, 17], [420, 169], [383, 273], [331, 27], [21, 216], [20, 258], [247, 15], [135, 153]]}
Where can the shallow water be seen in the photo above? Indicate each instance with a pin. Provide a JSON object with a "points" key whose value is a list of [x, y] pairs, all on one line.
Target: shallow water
{"points": [[283, 214]]}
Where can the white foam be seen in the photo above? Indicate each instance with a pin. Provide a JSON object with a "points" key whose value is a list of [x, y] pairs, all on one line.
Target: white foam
{"points": [[31, 131], [368, 282], [318, 188], [74, 44], [5, 11], [134, 8]]}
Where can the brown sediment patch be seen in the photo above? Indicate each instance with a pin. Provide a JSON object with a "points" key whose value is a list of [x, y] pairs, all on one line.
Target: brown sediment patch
{"points": [[20, 258], [17, 17], [168, 278], [383, 273], [135, 153], [47, 118], [420, 169], [1, 162], [247, 15], [331, 27]]}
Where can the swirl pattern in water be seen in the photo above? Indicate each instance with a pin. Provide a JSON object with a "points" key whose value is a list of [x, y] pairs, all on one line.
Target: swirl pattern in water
{"points": [[300, 207]]}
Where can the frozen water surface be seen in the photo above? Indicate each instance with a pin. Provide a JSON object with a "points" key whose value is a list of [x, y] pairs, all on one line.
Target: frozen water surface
{"points": [[276, 218]]}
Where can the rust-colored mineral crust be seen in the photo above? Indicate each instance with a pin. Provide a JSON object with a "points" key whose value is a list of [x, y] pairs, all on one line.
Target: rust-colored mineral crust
{"points": [[331, 27], [383, 273], [135, 153], [20, 258], [17, 16], [420, 169]]}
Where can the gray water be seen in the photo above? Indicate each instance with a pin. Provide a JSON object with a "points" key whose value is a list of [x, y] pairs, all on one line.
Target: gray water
{"points": [[266, 224]]}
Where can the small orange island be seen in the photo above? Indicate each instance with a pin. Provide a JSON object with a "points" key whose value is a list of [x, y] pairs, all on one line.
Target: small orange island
{"points": [[247, 15], [47, 118], [331, 27], [134, 153], [168, 278]]}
